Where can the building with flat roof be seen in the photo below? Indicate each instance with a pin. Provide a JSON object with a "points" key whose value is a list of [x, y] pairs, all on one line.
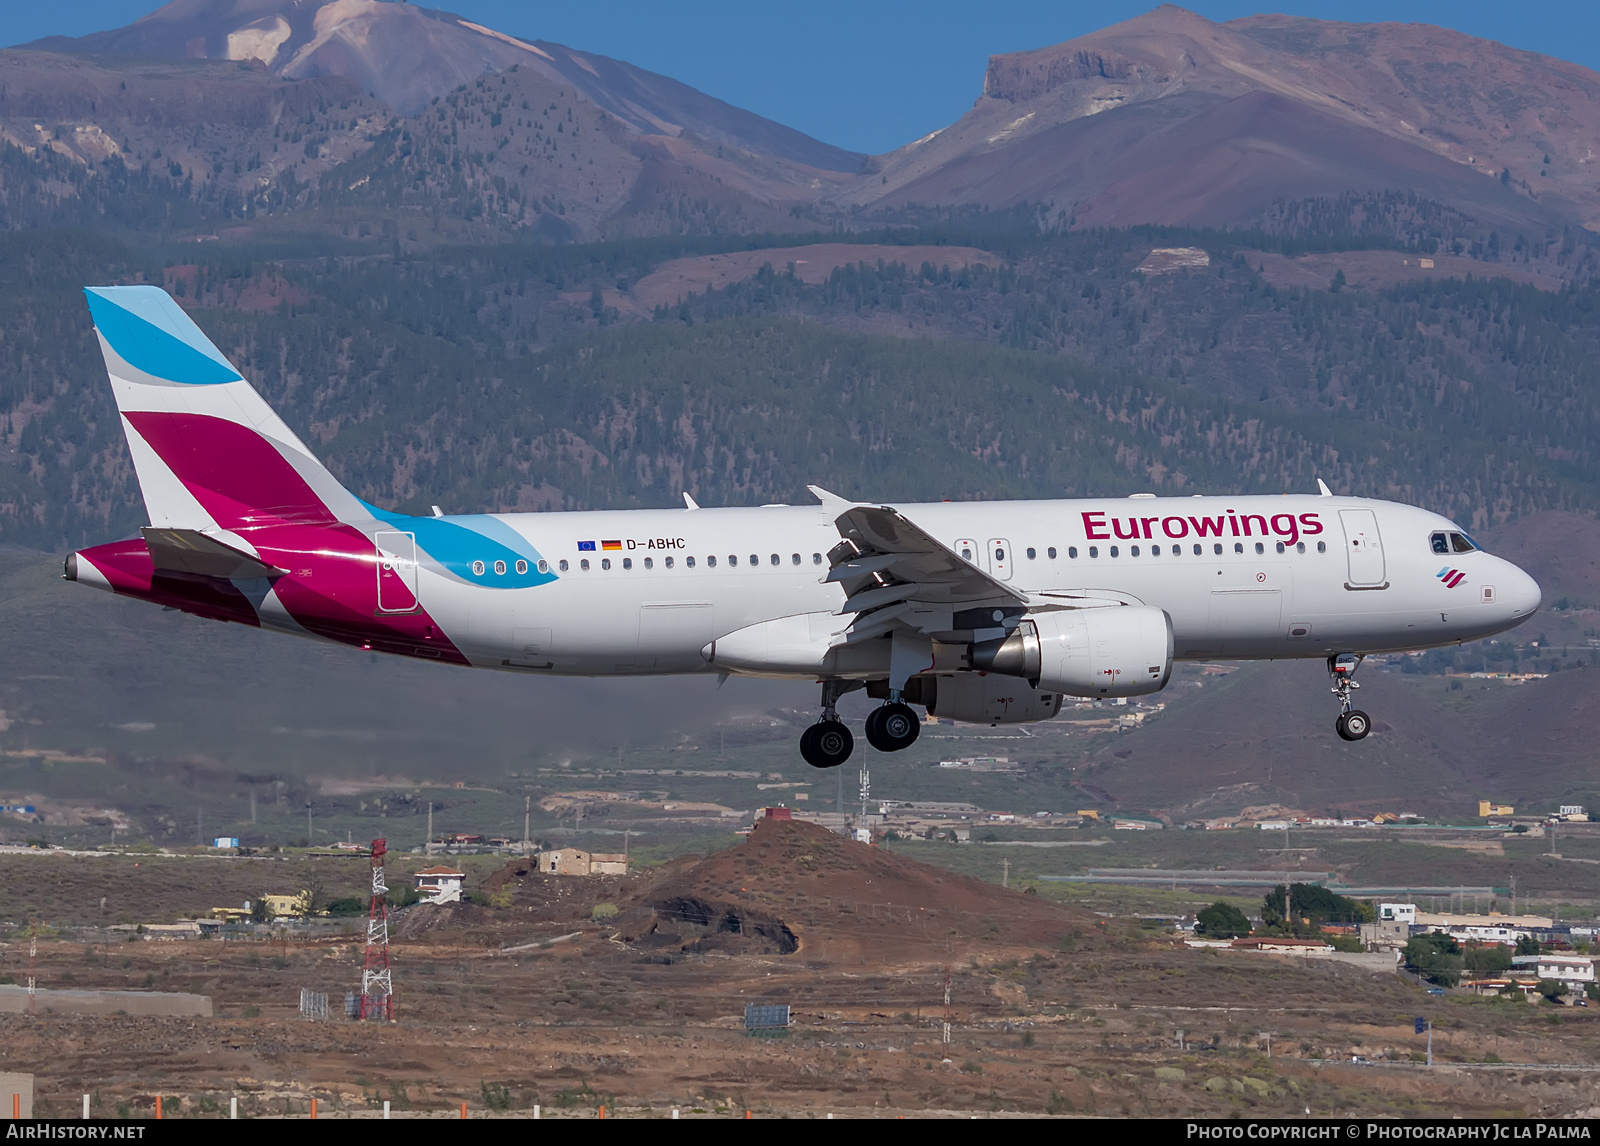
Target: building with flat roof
{"points": [[439, 884]]}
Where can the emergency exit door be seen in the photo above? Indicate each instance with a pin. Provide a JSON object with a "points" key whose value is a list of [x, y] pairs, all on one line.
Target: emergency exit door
{"points": [[1363, 549]]}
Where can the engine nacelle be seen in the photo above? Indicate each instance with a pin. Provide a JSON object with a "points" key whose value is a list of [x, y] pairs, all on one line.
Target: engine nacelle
{"points": [[984, 698], [1114, 651]]}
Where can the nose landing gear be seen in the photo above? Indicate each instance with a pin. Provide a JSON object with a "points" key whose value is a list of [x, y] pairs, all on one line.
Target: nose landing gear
{"points": [[828, 743], [1353, 724]]}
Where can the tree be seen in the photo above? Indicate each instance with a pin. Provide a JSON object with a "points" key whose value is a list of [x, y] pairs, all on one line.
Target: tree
{"points": [[1436, 957], [1552, 989], [1528, 945], [260, 910], [1491, 958], [1222, 921], [1313, 906]]}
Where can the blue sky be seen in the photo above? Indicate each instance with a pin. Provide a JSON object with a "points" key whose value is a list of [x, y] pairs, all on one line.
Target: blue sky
{"points": [[870, 75]]}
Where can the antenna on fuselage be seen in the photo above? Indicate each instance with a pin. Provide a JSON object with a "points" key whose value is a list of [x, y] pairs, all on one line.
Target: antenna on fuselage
{"points": [[690, 502], [1322, 489]]}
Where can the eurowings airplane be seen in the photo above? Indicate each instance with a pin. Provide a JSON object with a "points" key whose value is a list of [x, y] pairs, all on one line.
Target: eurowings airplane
{"points": [[986, 612]]}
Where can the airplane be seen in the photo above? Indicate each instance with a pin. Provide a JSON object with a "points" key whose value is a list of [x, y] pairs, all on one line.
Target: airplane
{"points": [[983, 612]]}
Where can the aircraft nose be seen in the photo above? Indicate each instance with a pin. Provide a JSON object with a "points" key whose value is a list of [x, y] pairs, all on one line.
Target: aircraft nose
{"points": [[1519, 593]]}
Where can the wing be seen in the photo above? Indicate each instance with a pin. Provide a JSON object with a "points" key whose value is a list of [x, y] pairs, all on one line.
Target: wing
{"points": [[895, 573]]}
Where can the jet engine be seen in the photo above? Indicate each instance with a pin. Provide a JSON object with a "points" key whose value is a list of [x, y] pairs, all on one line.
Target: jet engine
{"points": [[1113, 651], [985, 698]]}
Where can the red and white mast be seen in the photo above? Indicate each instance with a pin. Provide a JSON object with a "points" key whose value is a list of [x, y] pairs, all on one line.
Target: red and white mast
{"points": [[377, 988]]}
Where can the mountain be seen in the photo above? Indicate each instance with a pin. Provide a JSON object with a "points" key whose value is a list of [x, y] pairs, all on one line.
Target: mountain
{"points": [[1170, 118], [406, 56]]}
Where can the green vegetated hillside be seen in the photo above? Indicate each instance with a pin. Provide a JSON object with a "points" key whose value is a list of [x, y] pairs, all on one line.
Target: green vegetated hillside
{"points": [[508, 378]]}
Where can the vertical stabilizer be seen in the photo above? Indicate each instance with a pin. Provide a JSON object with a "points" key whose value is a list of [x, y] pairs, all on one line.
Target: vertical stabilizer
{"points": [[209, 452]]}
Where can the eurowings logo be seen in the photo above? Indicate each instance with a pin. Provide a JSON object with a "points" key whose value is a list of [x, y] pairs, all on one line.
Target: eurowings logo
{"points": [[1451, 577]]}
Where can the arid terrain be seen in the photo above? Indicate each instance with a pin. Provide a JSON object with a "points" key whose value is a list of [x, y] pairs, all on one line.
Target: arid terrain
{"points": [[574, 993]]}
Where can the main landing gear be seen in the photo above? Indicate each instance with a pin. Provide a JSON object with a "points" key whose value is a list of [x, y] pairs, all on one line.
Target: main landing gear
{"points": [[828, 743], [892, 727], [1353, 724]]}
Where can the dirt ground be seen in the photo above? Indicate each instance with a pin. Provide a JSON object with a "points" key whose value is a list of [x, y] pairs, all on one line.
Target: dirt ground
{"points": [[630, 992]]}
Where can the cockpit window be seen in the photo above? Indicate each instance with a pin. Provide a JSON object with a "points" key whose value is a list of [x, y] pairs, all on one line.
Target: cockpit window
{"points": [[1447, 543]]}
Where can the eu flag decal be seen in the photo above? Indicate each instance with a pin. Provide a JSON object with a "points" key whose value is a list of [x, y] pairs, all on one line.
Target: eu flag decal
{"points": [[585, 547]]}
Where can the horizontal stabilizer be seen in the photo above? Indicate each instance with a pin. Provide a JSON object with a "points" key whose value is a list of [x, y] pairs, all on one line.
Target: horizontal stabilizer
{"points": [[190, 551]]}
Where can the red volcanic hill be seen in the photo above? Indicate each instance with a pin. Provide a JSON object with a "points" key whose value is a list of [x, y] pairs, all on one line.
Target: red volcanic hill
{"points": [[792, 888], [1169, 118]]}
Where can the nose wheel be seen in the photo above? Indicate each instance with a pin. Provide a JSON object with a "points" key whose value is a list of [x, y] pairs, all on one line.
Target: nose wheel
{"points": [[1353, 724]]}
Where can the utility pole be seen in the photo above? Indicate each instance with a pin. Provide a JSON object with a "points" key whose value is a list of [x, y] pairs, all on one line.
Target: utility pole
{"points": [[947, 1014], [377, 984], [252, 807], [426, 847], [866, 793], [527, 811], [1424, 1025], [310, 839], [1005, 873]]}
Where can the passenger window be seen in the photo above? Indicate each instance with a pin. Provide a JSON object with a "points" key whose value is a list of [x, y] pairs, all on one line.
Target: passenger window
{"points": [[754, 561], [649, 563], [584, 565], [689, 562], [999, 554], [966, 554], [668, 562], [1199, 550], [1216, 549], [1260, 548], [1299, 546], [794, 559], [605, 563], [1133, 551], [711, 562], [733, 559], [1072, 552], [1155, 550], [1238, 547], [1094, 551], [1461, 543], [563, 565], [1322, 547], [1279, 547], [816, 559], [1440, 543], [1113, 551], [500, 568], [776, 560], [477, 568], [1051, 553], [1032, 553]]}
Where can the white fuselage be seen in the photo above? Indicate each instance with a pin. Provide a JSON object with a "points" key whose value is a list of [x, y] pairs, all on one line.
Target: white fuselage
{"points": [[1296, 576]]}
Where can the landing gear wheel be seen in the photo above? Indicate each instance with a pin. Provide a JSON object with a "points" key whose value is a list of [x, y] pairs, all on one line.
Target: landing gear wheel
{"points": [[1353, 725], [893, 727], [826, 744]]}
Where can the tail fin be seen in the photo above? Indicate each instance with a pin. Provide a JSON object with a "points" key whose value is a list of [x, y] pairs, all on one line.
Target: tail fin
{"points": [[209, 452]]}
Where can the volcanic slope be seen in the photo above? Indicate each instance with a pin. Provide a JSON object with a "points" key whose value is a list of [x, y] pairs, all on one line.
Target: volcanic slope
{"points": [[793, 888], [1169, 118]]}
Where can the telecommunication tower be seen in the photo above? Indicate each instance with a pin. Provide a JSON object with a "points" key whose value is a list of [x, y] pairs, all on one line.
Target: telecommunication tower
{"points": [[377, 988]]}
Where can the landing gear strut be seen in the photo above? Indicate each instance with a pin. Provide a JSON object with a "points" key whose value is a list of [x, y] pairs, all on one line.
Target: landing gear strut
{"points": [[1353, 724], [892, 727], [828, 743]]}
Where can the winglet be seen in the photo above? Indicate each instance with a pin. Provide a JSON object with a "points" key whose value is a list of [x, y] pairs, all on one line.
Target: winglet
{"points": [[689, 502], [1322, 489], [830, 501]]}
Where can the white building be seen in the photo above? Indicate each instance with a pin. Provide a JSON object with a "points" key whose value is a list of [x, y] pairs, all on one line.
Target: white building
{"points": [[1397, 912], [1576, 971], [440, 884]]}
